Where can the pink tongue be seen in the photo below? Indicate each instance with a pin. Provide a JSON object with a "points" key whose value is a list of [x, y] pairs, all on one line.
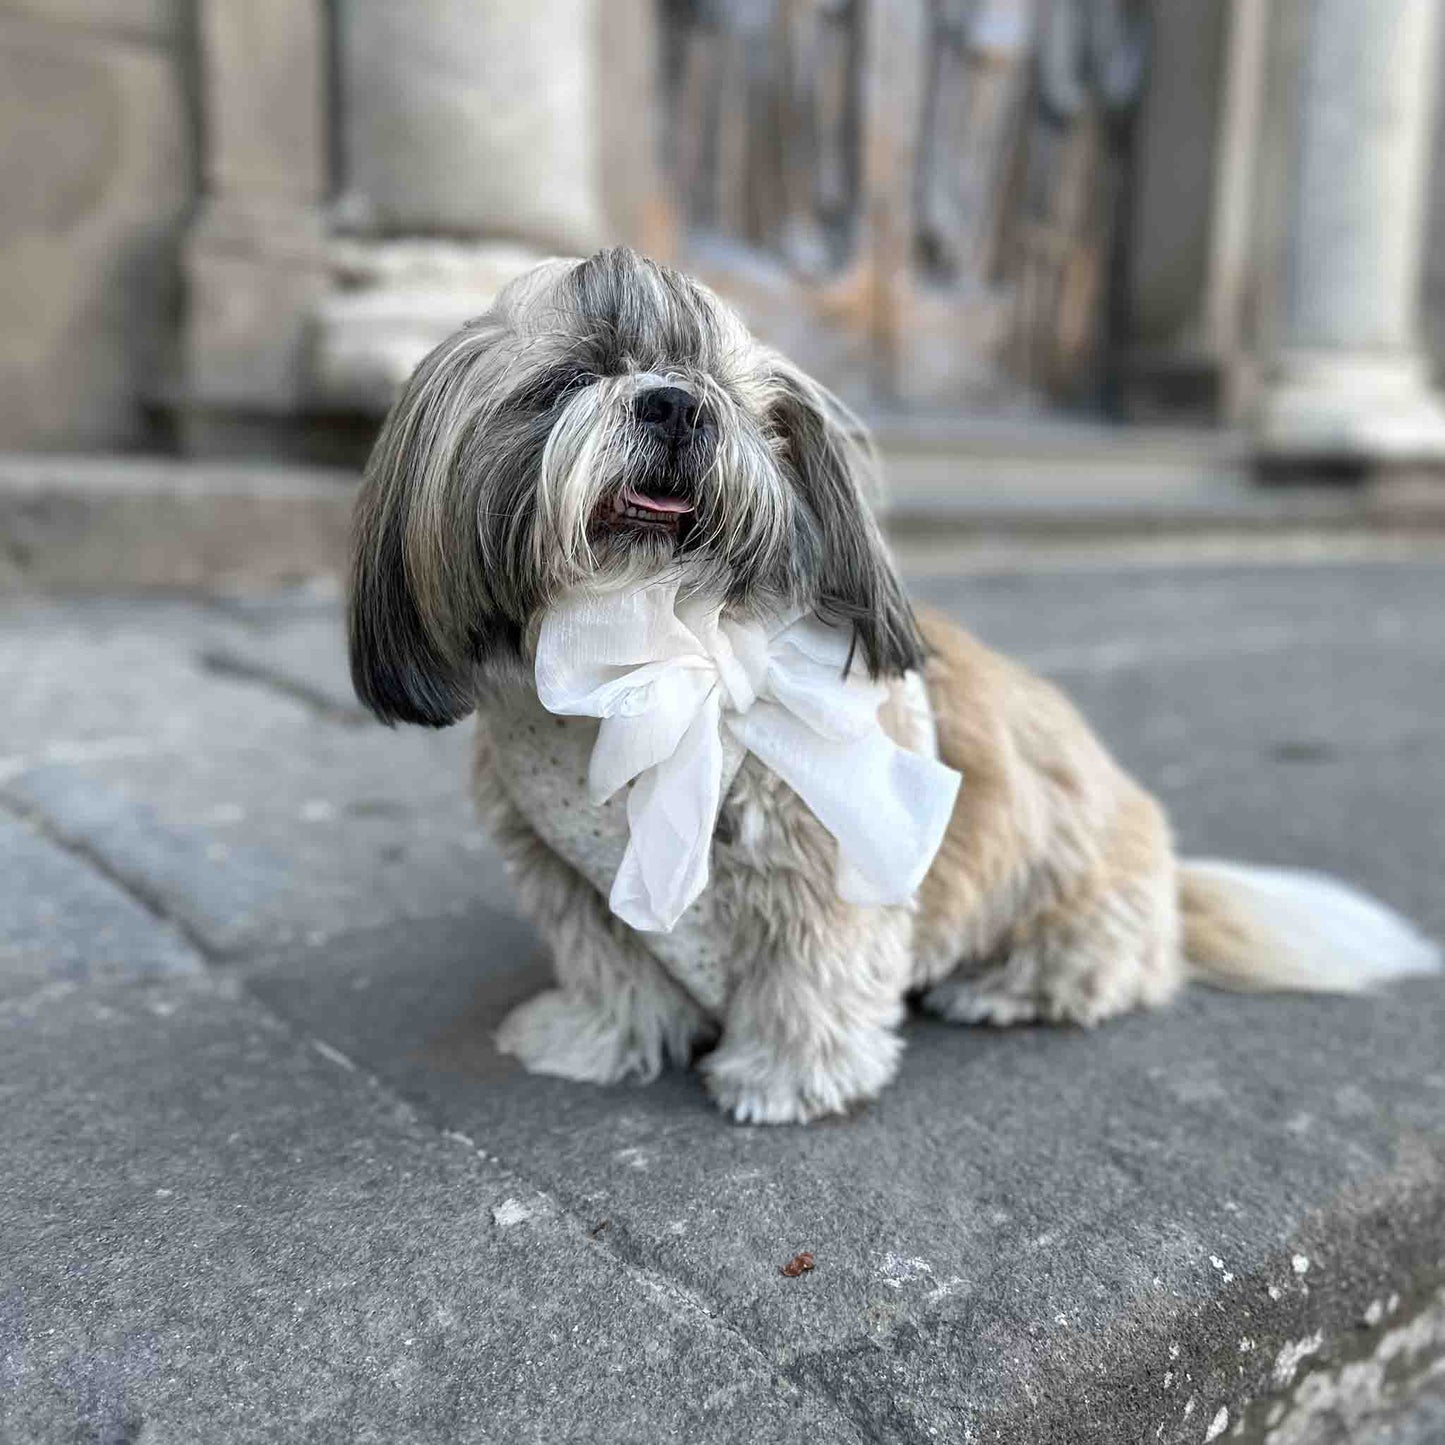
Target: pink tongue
{"points": [[655, 504]]}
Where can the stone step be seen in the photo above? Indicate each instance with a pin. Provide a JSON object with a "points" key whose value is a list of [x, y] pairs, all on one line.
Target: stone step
{"points": [[93, 524], [97, 523], [1047, 474]]}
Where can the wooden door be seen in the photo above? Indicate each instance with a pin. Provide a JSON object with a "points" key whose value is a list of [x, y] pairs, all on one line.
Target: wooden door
{"points": [[915, 198]]}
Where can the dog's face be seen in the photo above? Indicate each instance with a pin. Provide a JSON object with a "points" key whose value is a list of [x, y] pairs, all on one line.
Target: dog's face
{"points": [[608, 419]]}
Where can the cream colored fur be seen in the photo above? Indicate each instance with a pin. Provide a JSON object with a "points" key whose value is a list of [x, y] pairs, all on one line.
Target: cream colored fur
{"points": [[811, 989], [1056, 897], [510, 470]]}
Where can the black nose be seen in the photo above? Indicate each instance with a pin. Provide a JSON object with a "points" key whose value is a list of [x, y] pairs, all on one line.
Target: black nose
{"points": [[670, 414]]}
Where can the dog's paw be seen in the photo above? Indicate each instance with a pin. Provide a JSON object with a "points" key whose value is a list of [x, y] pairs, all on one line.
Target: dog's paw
{"points": [[560, 1034], [755, 1086], [964, 1001]]}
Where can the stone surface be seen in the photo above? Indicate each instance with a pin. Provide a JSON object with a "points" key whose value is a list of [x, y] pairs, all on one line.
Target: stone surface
{"points": [[1352, 382], [245, 799], [399, 299], [94, 171], [977, 496], [64, 923], [152, 19], [1047, 1235], [467, 120], [252, 275], [266, 122], [96, 524], [215, 1230], [1020, 1219], [1366, 110], [254, 254]]}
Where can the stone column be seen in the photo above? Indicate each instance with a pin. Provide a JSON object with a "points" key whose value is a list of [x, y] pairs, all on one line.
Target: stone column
{"points": [[255, 257], [465, 120], [469, 150], [1351, 384]]}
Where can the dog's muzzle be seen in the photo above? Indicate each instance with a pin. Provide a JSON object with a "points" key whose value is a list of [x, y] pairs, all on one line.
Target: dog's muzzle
{"points": [[680, 434]]}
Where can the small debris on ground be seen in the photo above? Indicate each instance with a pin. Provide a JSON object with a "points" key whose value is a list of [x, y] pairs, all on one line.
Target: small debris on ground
{"points": [[799, 1264], [598, 1228]]}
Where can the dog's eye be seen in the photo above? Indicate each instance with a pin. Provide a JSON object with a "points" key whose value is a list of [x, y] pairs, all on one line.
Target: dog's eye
{"points": [[554, 386]]}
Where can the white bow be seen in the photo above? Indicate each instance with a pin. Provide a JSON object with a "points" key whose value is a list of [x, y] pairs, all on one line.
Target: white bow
{"points": [[666, 678]]}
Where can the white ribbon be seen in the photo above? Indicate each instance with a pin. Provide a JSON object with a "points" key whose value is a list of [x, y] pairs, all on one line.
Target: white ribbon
{"points": [[666, 678]]}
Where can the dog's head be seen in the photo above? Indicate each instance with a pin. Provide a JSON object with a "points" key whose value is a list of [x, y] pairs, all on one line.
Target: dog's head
{"points": [[607, 419]]}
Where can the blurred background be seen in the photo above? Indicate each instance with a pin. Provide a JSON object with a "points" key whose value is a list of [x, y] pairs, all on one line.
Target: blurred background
{"points": [[1069, 256], [1146, 304]]}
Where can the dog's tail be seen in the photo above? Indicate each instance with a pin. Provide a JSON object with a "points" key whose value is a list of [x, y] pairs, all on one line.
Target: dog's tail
{"points": [[1259, 929]]}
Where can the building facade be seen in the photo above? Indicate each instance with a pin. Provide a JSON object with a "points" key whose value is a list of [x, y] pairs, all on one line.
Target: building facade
{"points": [[235, 225]]}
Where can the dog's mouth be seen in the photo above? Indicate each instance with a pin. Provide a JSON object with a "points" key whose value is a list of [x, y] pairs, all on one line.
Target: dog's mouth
{"points": [[634, 509]]}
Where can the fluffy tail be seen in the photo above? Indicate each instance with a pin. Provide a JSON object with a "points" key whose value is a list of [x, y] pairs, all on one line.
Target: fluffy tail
{"points": [[1257, 929]]}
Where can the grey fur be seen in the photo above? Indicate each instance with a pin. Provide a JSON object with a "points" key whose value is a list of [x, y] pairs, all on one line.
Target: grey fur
{"points": [[490, 491], [479, 503]]}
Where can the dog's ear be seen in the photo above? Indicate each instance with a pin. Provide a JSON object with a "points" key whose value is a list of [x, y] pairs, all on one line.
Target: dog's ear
{"points": [[421, 619], [854, 579]]}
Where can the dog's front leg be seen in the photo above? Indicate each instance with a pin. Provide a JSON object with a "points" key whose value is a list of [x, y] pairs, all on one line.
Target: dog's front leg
{"points": [[811, 1027], [615, 1012]]}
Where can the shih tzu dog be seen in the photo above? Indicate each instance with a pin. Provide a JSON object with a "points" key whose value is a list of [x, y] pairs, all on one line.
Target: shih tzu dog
{"points": [[638, 545]]}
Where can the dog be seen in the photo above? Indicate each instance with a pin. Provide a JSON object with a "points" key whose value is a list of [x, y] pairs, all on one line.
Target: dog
{"points": [[610, 423]]}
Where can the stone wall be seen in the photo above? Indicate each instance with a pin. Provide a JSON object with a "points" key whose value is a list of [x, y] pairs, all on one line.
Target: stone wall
{"points": [[369, 180], [95, 179]]}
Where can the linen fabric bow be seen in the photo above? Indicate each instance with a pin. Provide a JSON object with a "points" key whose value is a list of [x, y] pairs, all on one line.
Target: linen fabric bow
{"points": [[666, 678]]}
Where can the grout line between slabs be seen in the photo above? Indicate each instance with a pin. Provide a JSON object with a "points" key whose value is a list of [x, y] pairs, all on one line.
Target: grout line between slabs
{"points": [[145, 898]]}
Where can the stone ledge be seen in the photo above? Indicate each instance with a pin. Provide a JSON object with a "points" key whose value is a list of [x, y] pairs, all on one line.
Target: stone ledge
{"points": [[99, 523], [104, 523]]}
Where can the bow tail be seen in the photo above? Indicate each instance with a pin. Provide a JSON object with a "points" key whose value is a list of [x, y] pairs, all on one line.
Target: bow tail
{"points": [[671, 813], [888, 808]]}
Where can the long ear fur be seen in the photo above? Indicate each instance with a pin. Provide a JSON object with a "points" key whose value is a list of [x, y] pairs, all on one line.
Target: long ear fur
{"points": [[855, 581], [421, 618]]}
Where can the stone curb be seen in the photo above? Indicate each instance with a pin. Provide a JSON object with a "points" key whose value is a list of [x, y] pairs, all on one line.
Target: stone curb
{"points": [[113, 523], [96, 524]]}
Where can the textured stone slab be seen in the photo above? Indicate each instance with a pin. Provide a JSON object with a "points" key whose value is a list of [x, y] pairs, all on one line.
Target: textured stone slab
{"points": [[87, 524], [210, 758], [1074, 622], [61, 921], [122, 677], [305, 656], [216, 1231], [1022, 1217], [1048, 1234]]}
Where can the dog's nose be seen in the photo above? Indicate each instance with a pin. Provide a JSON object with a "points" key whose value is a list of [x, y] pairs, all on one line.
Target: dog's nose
{"points": [[670, 413]]}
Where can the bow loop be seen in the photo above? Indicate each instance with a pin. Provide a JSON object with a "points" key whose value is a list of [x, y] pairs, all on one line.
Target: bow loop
{"points": [[666, 678]]}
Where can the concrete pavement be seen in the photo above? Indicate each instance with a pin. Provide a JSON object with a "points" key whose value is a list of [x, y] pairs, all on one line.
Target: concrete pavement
{"points": [[265, 1177]]}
